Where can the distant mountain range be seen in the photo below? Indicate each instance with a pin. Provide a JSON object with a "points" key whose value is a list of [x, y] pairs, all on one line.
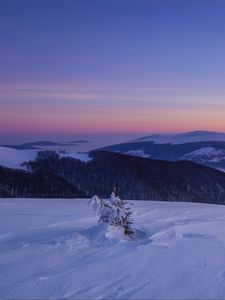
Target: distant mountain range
{"points": [[203, 147], [187, 137], [143, 170], [78, 142], [44, 144]]}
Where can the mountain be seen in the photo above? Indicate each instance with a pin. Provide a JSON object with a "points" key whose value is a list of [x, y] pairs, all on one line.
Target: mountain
{"points": [[62, 174], [188, 137], [33, 145], [42, 143], [135, 177], [210, 153], [78, 142], [45, 144]]}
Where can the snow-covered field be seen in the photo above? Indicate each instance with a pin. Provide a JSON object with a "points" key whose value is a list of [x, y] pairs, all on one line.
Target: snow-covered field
{"points": [[55, 249]]}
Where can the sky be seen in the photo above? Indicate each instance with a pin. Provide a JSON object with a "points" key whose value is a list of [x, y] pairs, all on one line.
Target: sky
{"points": [[78, 67]]}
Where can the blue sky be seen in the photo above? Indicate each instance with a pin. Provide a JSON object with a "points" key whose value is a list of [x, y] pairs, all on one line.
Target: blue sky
{"points": [[111, 66]]}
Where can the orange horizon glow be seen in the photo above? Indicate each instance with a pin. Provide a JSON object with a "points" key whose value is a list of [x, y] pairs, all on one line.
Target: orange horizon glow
{"points": [[111, 121], [91, 108]]}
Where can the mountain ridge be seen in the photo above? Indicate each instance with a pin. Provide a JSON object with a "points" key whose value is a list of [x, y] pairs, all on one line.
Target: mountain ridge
{"points": [[185, 137]]}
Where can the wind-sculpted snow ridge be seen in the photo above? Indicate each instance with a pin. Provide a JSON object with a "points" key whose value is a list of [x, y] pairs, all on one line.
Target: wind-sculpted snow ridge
{"points": [[54, 249]]}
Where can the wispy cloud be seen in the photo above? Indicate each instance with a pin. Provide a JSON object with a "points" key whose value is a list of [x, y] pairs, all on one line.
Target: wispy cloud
{"points": [[96, 108]]}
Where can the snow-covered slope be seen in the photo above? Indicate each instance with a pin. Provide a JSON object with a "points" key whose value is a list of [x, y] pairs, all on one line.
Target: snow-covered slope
{"points": [[55, 249], [13, 158], [204, 148], [206, 154], [189, 137]]}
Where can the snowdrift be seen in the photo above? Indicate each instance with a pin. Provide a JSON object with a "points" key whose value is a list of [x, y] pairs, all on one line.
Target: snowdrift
{"points": [[55, 249]]}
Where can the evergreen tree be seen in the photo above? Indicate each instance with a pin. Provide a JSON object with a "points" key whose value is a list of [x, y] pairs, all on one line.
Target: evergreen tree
{"points": [[115, 212]]}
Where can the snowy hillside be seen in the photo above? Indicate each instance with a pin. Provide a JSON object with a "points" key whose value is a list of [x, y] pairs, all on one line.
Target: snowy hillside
{"points": [[55, 249], [206, 154], [210, 153], [13, 158]]}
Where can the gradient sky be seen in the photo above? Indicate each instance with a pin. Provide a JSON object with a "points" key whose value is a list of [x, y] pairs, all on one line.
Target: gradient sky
{"points": [[111, 66]]}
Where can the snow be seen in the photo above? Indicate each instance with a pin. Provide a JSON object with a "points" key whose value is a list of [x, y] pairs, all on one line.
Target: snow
{"points": [[13, 158], [54, 248], [188, 137], [139, 153], [83, 156], [206, 151], [206, 154]]}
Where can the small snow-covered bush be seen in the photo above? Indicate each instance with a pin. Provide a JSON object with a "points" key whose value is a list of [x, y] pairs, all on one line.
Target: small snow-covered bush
{"points": [[115, 212]]}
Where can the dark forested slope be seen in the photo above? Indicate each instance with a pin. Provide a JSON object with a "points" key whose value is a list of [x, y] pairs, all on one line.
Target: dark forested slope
{"points": [[134, 177], [18, 183]]}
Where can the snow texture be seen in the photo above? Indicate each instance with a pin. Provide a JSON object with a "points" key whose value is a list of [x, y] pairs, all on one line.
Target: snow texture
{"points": [[139, 153], [83, 156], [206, 154], [56, 249]]}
